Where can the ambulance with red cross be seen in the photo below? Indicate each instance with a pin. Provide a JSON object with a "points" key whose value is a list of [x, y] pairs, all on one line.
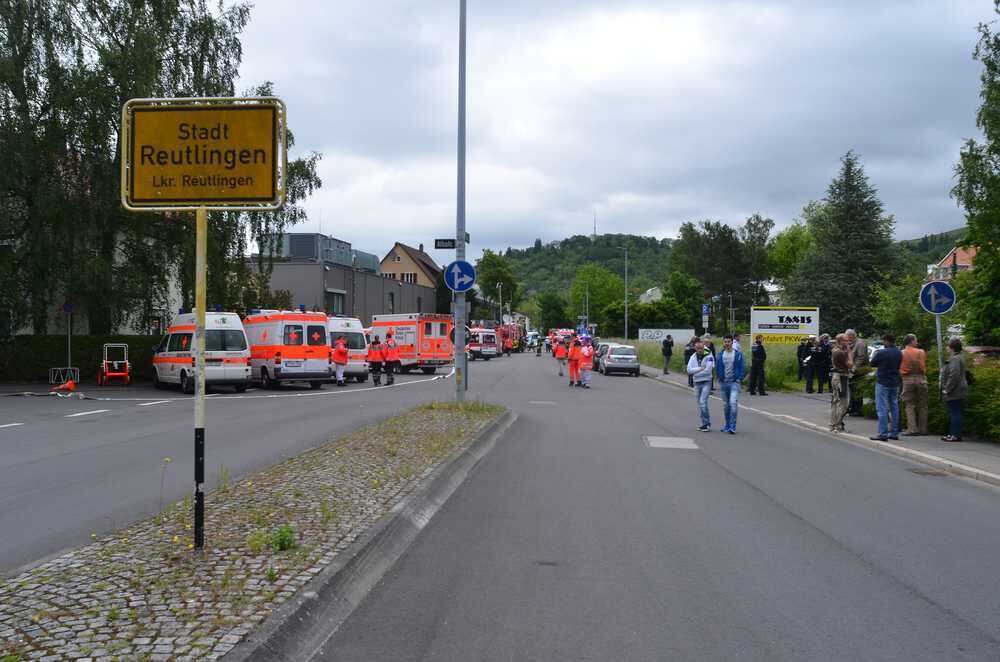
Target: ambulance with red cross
{"points": [[227, 355], [287, 346]]}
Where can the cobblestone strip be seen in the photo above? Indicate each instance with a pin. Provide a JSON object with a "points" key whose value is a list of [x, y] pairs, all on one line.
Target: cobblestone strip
{"points": [[144, 593]]}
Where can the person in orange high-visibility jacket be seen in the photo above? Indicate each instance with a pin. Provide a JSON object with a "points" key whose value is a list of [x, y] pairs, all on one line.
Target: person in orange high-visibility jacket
{"points": [[574, 363], [390, 354], [559, 351], [586, 361], [340, 356], [375, 358]]}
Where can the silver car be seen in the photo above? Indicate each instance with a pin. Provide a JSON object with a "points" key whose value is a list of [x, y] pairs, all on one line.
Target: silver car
{"points": [[619, 358]]}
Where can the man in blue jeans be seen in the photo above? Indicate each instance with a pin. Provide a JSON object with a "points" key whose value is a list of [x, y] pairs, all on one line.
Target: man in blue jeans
{"points": [[700, 368], [887, 380], [729, 368]]}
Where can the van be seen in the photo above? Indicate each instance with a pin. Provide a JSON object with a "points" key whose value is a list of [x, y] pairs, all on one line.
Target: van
{"points": [[482, 344], [357, 345], [424, 339], [287, 346], [227, 355]]}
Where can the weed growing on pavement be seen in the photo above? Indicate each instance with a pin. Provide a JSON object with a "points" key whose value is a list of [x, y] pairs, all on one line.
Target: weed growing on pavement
{"points": [[113, 614], [257, 541], [326, 512], [283, 538], [272, 576], [223, 478]]}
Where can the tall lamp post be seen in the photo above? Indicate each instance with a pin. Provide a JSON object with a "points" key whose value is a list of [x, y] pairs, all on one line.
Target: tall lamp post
{"points": [[500, 290], [625, 248], [461, 365]]}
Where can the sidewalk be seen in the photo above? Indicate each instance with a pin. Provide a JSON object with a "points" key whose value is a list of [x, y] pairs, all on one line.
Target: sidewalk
{"points": [[974, 459]]}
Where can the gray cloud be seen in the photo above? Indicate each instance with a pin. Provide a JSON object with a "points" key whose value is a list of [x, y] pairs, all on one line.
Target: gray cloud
{"points": [[649, 113]]}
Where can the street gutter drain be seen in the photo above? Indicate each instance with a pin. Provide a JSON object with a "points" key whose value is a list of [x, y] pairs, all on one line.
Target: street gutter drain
{"points": [[929, 472]]}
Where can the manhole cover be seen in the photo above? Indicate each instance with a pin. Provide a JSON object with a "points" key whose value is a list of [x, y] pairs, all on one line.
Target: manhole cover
{"points": [[929, 472]]}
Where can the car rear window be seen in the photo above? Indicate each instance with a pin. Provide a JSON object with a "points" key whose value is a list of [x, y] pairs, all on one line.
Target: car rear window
{"points": [[225, 340], [293, 334], [622, 351], [316, 334]]}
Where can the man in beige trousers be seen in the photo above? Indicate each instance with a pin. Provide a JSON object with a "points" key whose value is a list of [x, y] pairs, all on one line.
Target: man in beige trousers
{"points": [[913, 371]]}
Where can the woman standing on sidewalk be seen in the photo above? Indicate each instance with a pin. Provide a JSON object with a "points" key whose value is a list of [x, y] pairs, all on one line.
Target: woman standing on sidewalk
{"points": [[954, 389]]}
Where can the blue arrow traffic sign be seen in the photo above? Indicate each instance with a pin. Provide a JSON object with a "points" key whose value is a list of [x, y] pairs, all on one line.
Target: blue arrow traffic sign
{"points": [[937, 297], [460, 276]]}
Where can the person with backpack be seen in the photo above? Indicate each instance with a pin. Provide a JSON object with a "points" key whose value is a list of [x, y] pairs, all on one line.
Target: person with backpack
{"points": [[955, 384], [667, 348], [701, 367]]}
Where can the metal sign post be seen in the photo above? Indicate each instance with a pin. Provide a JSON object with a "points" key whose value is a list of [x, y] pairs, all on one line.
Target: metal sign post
{"points": [[938, 297], [460, 235], [193, 155]]}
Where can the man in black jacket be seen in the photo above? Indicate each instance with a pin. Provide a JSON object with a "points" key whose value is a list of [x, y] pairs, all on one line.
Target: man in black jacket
{"points": [[758, 355], [667, 348], [801, 352]]}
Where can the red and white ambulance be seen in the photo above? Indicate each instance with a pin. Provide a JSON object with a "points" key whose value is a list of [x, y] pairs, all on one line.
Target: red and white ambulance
{"points": [[357, 345], [424, 339], [483, 343], [289, 346], [227, 356]]}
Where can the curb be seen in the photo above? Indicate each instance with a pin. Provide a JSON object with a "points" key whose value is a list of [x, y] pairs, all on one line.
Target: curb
{"points": [[299, 629], [956, 468]]}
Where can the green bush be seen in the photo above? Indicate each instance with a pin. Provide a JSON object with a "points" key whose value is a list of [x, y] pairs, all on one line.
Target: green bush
{"points": [[283, 538], [981, 417], [28, 358]]}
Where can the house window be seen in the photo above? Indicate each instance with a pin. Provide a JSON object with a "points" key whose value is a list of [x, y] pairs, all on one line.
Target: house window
{"points": [[335, 303], [409, 277], [396, 258]]}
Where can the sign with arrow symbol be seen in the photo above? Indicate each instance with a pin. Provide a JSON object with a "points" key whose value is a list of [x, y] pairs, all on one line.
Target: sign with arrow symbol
{"points": [[937, 297], [460, 276]]}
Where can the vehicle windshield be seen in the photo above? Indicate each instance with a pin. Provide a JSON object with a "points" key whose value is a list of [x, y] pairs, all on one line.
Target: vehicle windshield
{"points": [[354, 339], [225, 340], [622, 351]]}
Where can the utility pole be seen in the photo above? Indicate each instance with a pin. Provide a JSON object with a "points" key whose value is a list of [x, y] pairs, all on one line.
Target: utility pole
{"points": [[461, 376], [500, 290], [626, 293]]}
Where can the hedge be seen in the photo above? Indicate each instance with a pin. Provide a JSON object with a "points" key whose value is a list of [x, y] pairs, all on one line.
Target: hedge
{"points": [[28, 358], [981, 417]]}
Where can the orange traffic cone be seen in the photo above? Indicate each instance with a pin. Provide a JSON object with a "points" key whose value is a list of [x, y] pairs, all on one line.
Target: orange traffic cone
{"points": [[68, 387]]}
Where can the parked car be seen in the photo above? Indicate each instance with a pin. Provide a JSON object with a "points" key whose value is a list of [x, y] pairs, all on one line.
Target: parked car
{"points": [[619, 358]]}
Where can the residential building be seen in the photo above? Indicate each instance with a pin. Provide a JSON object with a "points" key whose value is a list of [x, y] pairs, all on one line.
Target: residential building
{"points": [[958, 259], [410, 265]]}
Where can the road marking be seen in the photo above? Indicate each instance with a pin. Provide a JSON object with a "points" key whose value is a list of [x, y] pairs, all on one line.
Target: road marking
{"points": [[10, 425], [87, 413], [157, 402], [684, 443], [541, 402]]}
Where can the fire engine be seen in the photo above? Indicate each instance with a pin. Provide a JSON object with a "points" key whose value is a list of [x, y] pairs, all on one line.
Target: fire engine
{"points": [[424, 339], [288, 345]]}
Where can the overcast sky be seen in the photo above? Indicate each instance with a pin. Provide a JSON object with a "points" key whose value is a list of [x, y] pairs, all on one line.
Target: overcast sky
{"points": [[648, 114]]}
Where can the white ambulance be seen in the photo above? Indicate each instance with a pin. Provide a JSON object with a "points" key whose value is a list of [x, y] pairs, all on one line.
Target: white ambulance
{"points": [[227, 355], [357, 345], [287, 345]]}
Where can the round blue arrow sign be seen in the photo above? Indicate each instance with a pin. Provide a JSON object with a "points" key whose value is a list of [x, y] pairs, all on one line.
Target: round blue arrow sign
{"points": [[460, 276], [937, 297]]}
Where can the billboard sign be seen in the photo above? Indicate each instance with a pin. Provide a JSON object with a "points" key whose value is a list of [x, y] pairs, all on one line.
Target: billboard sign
{"points": [[657, 335], [784, 324]]}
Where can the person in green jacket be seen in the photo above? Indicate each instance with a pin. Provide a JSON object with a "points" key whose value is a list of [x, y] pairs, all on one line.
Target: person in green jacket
{"points": [[954, 389]]}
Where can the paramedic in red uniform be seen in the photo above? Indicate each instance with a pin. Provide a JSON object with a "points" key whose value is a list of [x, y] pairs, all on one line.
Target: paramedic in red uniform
{"points": [[375, 358], [559, 351], [340, 356], [391, 355], [574, 363]]}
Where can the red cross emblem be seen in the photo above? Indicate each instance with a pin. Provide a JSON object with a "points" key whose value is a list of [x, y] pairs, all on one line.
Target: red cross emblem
{"points": [[293, 337], [263, 336], [315, 336], [184, 341]]}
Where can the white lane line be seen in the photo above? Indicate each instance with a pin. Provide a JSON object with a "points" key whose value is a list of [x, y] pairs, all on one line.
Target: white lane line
{"points": [[86, 413], [10, 425], [157, 402]]}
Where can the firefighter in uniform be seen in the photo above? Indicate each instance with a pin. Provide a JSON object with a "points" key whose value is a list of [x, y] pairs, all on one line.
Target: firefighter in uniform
{"points": [[375, 358], [391, 357], [574, 363], [559, 351]]}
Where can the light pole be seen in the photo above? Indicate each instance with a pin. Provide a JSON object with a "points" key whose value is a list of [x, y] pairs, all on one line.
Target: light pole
{"points": [[625, 248], [500, 290]]}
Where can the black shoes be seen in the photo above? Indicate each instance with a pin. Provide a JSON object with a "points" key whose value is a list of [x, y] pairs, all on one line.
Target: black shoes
{"points": [[879, 438]]}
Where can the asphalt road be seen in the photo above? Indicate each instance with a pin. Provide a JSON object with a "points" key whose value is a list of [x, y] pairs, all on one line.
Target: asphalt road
{"points": [[575, 540], [70, 468]]}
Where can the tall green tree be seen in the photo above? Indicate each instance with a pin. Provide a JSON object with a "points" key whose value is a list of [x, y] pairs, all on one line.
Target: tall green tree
{"points": [[714, 253], [491, 269], [853, 252], [787, 248], [978, 192], [689, 294], [551, 312], [602, 286], [755, 235]]}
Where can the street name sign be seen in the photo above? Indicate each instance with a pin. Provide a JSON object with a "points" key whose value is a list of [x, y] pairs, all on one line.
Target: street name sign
{"points": [[189, 153], [937, 297], [443, 244], [460, 276]]}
